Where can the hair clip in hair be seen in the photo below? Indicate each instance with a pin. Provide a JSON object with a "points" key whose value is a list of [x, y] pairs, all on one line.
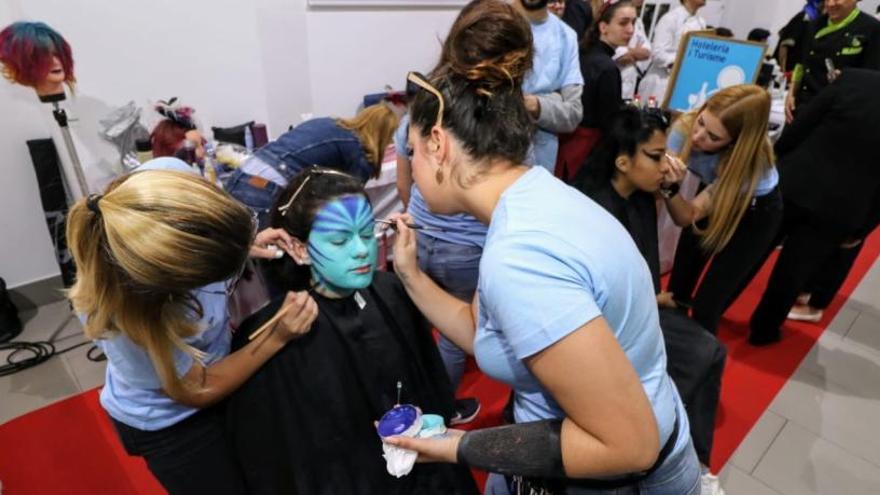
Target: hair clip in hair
{"points": [[312, 171], [92, 203], [180, 114]]}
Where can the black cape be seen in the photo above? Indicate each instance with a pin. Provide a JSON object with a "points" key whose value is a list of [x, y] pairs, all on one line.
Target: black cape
{"points": [[303, 423]]}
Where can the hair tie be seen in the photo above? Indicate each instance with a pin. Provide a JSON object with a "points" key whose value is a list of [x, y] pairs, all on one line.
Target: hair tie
{"points": [[604, 8], [92, 203]]}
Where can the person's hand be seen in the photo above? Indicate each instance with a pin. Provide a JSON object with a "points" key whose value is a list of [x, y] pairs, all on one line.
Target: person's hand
{"points": [[437, 449], [640, 53], [789, 107], [298, 312], [664, 300], [405, 247], [270, 242], [676, 172], [626, 59], [833, 75], [533, 106]]}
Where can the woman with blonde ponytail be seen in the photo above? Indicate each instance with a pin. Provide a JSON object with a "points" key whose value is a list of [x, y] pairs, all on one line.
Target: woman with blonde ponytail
{"points": [[737, 212], [156, 257]]}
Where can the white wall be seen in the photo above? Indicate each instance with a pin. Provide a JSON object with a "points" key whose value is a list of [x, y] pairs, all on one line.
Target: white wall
{"points": [[269, 60]]}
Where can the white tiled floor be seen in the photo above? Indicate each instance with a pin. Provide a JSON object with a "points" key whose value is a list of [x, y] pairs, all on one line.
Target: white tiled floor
{"points": [[821, 435]]}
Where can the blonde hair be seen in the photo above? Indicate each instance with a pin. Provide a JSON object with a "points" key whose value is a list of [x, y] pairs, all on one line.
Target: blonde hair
{"points": [[374, 126], [142, 247], [744, 110]]}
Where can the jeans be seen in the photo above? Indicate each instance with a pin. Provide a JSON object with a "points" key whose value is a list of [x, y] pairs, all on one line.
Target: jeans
{"points": [[192, 456], [456, 269], [679, 475], [255, 192]]}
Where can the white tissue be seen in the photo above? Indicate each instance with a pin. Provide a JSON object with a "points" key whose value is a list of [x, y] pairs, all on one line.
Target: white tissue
{"points": [[399, 462]]}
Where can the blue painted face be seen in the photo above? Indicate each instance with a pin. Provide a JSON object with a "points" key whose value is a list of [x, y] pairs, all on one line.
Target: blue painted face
{"points": [[342, 245]]}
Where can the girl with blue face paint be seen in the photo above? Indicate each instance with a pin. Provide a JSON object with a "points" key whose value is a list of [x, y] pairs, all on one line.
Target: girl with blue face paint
{"points": [[304, 424]]}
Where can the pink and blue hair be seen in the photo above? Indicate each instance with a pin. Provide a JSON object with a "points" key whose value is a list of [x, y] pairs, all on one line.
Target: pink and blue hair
{"points": [[26, 51]]}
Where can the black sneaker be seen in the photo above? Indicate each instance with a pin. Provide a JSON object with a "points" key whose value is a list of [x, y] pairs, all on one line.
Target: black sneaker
{"points": [[465, 411]]}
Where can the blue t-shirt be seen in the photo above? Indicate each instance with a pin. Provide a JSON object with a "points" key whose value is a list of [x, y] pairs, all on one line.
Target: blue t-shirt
{"points": [[554, 260], [705, 165], [457, 229], [555, 64], [132, 392]]}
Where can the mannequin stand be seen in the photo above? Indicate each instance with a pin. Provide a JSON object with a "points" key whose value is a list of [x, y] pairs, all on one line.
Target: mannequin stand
{"points": [[61, 118]]}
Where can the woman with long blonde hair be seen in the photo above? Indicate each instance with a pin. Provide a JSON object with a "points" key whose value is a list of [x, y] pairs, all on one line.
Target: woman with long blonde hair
{"points": [[156, 256], [735, 215], [355, 146]]}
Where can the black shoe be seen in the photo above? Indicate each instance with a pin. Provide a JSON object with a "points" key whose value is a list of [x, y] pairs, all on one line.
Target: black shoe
{"points": [[465, 411], [764, 339]]}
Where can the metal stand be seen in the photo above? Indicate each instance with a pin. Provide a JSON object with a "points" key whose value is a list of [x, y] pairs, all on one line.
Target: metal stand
{"points": [[61, 118]]}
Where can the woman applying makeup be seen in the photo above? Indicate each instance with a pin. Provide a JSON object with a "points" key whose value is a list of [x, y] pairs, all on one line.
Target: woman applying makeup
{"points": [[734, 218]]}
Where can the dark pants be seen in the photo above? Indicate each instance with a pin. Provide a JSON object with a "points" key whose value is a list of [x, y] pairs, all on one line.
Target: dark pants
{"points": [[456, 269], [731, 269], [825, 284], [189, 457], [807, 247], [695, 361]]}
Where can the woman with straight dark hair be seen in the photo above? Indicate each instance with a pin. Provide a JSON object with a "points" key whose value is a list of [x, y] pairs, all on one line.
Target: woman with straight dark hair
{"points": [[565, 311]]}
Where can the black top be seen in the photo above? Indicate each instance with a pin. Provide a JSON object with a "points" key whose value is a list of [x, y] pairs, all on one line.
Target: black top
{"points": [[638, 214], [829, 159], [602, 93], [579, 16], [303, 423], [794, 32], [856, 45]]}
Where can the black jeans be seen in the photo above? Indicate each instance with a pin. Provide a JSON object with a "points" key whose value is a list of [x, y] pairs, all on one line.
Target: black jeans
{"points": [[190, 457], [695, 362], [731, 269], [825, 284], [808, 247]]}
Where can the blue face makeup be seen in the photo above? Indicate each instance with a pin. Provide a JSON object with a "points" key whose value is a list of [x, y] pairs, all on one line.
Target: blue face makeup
{"points": [[342, 245]]}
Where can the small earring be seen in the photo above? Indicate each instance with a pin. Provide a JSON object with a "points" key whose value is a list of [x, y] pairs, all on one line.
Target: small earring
{"points": [[439, 176]]}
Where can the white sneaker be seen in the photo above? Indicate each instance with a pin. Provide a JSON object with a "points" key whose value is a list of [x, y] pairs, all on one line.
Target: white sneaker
{"points": [[709, 484], [805, 313]]}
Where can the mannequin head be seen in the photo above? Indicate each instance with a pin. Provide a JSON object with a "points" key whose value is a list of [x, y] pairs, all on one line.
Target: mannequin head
{"points": [[35, 55]]}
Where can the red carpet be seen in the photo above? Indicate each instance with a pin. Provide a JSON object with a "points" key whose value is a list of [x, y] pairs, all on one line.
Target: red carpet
{"points": [[70, 447]]}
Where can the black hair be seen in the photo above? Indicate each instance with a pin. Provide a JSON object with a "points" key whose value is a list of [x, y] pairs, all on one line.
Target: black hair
{"points": [[724, 32], [606, 14], [483, 63], [323, 185], [758, 34], [628, 128]]}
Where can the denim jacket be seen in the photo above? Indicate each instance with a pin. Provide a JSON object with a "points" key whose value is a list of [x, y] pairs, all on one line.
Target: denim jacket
{"points": [[316, 142]]}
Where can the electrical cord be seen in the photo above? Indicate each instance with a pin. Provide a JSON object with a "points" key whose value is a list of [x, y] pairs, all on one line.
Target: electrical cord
{"points": [[39, 352]]}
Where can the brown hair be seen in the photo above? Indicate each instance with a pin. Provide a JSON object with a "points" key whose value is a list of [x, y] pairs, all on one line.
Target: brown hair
{"points": [[374, 126], [483, 63], [140, 250], [744, 110]]}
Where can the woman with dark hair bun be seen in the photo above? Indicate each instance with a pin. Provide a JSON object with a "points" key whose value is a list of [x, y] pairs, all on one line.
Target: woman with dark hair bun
{"points": [[303, 424], [565, 311]]}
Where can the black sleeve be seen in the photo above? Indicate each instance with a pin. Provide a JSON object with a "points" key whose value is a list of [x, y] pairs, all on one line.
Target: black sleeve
{"points": [[608, 96], [872, 51], [809, 117]]}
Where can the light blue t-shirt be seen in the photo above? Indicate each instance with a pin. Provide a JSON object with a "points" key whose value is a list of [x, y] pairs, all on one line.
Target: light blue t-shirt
{"points": [[554, 260], [705, 165], [457, 229], [555, 64], [132, 392]]}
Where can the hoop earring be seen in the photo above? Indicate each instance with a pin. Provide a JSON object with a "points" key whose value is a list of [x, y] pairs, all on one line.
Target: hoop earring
{"points": [[439, 176]]}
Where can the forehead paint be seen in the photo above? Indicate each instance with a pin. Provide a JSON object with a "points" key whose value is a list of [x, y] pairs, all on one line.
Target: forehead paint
{"points": [[342, 243]]}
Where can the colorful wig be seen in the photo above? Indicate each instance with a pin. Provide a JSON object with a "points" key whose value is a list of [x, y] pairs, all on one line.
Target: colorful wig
{"points": [[26, 51], [170, 132]]}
